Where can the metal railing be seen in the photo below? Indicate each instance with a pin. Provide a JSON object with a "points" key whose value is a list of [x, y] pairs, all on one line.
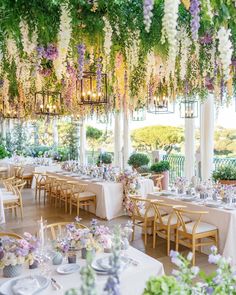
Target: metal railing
{"points": [[177, 164]]}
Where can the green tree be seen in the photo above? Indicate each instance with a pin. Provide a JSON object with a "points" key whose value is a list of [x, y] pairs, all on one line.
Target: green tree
{"points": [[19, 138], [71, 140], [157, 137], [93, 135]]}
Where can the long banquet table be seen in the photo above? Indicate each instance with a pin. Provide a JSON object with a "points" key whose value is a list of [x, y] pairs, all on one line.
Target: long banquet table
{"points": [[109, 195], [225, 220], [132, 279]]}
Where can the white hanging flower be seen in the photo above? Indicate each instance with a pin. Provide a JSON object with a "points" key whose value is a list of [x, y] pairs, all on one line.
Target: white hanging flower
{"points": [[150, 65], [1, 56], [107, 38], [225, 51], [5, 89], [132, 50], [28, 45], [38, 82], [169, 29], [184, 43], [12, 50], [64, 37]]}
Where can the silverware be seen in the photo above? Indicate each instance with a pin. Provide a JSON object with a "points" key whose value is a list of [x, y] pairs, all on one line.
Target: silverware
{"points": [[56, 284]]}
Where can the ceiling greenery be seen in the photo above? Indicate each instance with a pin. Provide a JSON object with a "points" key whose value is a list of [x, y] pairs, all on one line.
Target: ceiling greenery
{"points": [[148, 48]]}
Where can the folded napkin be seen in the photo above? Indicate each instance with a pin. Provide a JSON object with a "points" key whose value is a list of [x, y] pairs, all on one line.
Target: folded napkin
{"points": [[26, 286]]}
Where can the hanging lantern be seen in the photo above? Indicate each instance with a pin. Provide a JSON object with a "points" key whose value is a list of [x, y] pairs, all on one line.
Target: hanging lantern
{"points": [[138, 115], [160, 105], [48, 103], [188, 109], [12, 110], [89, 92]]}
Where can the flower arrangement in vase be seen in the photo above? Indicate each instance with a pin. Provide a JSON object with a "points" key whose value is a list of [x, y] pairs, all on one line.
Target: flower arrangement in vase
{"points": [[16, 252], [181, 183]]}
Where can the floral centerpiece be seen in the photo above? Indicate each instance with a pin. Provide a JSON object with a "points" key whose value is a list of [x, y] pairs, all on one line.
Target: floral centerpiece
{"points": [[131, 186], [181, 183], [15, 252]]}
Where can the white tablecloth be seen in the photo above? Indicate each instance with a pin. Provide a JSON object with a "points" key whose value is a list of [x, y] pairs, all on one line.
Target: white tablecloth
{"points": [[2, 214], [133, 279], [109, 195], [224, 220]]}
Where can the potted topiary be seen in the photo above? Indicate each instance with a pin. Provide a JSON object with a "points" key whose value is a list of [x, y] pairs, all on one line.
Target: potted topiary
{"points": [[104, 158], [138, 160], [162, 167], [225, 175]]}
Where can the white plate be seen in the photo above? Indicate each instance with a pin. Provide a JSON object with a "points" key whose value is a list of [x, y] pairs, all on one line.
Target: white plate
{"points": [[212, 205], [229, 208], [6, 288], [187, 199], [69, 268], [104, 262]]}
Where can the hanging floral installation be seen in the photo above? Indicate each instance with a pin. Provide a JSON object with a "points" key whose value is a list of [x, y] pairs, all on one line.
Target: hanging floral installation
{"points": [[147, 48]]}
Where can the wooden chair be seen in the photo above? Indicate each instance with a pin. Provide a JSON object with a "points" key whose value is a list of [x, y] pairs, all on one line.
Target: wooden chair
{"points": [[56, 229], [191, 234], [157, 181], [65, 193], [164, 224], [27, 176], [14, 200], [81, 197], [3, 172], [50, 180], [10, 235], [142, 215], [40, 183]]}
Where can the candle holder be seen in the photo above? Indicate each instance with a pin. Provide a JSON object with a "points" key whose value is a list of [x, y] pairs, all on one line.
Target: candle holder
{"points": [[48, 103], [160, 105], [188, 109], [89, 91]]}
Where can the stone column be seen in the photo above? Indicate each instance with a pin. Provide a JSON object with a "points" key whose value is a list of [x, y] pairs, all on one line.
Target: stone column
{"points": [[82, 143], [55, 131], [189, 166], [126, 139], [207, 137], [117, 141]]}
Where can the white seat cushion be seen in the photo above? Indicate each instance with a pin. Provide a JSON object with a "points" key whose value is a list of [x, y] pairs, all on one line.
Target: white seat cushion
{"points": [[201, 228], [9, 197], [174, 219], [86, 194]]}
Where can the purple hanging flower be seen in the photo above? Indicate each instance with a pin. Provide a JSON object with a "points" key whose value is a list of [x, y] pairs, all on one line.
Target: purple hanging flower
{"points": [[195, 21], [147, 13], [206, 39], [99, 74], [81, 51], [51, 52]]}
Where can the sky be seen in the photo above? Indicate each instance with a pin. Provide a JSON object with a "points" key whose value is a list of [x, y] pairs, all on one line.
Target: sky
{"points": [[225, 117]]}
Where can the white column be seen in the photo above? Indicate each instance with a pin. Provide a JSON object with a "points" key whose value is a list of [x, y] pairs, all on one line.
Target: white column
{"points": [[4, 128], [207, 137], [55, 132], [117, 141], [82, 143], [189, 166], [126, 140]]}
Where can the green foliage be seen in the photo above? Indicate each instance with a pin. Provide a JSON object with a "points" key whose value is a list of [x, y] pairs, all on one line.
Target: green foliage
{"points": [[104, 158], [93, 136], [3, 152], [162, 285], [225, 142], [137, 160], [160, 166], [38, 150], [71, 140], [225, 173], [19, 139], [60, 154], [157, 137]]}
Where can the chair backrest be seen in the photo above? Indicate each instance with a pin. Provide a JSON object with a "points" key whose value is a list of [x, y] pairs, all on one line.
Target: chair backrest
{"points": [[195, 215], [56, 229], [18, 171], [77, 187], [10, 235], [157, 180], [158, 206], [140, 206]]}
